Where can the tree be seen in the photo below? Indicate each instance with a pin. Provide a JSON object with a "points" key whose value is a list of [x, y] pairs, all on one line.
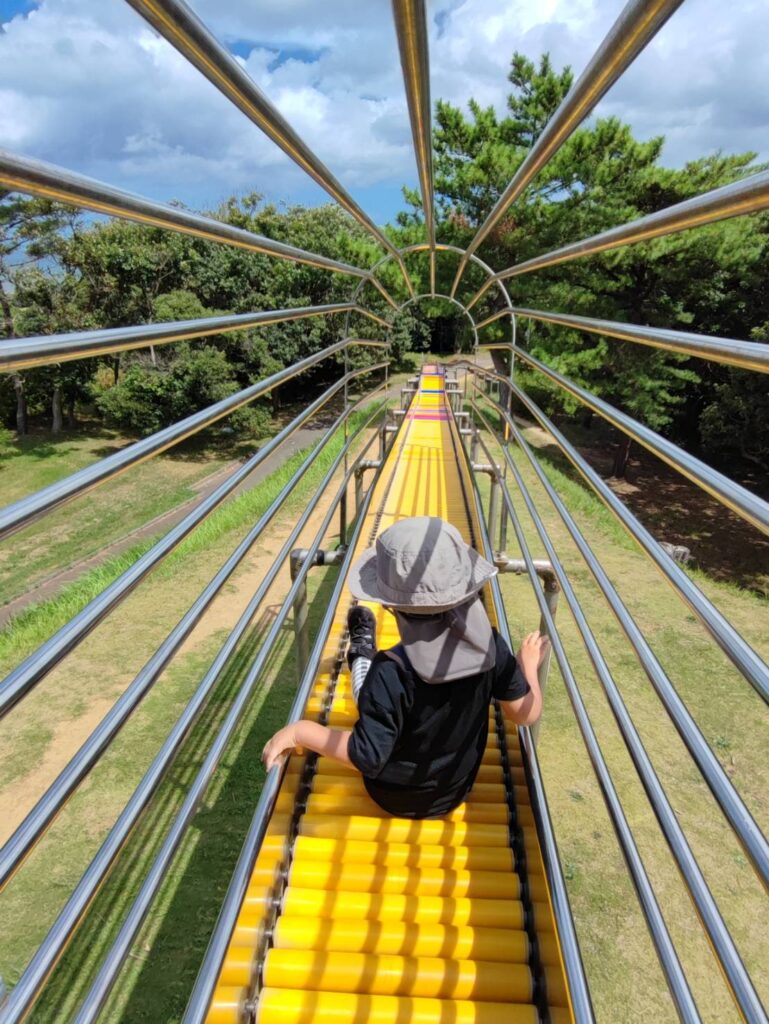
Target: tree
{"points": [[29, 233], [735, 422], [601, 176], [409, 334]]}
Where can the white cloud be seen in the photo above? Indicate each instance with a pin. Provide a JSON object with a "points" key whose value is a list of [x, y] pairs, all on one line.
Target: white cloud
{"points": [[88, 85]]}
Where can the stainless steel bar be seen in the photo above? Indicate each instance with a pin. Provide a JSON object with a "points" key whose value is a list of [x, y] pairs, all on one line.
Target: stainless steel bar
{"points": [[21, 353], [736, 648], [24, 511], [181, 27], [117, 953], [23, 174], [18, 682], [455, 302], [748, 195], [735, 497], [26, 990], [362, 466], [50, 803], [737, 814], [579, 991], [638, 23], [750, 355], [666, 951], [411, 28], [733, 968], [200, 998]]}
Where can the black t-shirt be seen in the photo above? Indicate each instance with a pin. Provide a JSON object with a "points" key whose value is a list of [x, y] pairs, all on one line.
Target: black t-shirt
{"points": [[419, 745]]}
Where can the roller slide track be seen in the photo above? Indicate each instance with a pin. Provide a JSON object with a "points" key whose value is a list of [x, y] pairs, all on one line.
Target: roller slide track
{"points": [[354, 916]]}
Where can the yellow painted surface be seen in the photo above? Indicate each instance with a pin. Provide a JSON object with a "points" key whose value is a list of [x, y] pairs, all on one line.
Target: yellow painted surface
{"points": [[387, 920]]}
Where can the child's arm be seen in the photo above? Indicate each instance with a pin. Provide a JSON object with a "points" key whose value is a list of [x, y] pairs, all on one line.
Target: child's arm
{"points": [[311, 735], [527, 709]]}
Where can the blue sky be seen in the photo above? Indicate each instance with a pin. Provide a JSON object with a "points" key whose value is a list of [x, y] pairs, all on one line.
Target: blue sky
{"points": [[87, 84]]}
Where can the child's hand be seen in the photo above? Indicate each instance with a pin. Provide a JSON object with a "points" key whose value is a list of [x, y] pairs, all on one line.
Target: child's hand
{"points": [[276, 750], [532, 652]]}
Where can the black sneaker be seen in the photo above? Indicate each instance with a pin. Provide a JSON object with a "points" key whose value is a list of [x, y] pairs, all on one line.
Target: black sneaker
{"points": [[362, 627]]}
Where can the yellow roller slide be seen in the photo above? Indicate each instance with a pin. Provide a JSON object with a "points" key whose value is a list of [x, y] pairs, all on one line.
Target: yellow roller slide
{"points": [[355, 917]]}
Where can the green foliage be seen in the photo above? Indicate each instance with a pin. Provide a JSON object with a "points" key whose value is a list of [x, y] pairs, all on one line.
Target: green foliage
{"points": [[409, 334], [708, 280], [147, 397], [735, 422]]}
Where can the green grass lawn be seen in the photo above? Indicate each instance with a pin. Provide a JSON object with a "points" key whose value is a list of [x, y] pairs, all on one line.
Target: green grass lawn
{"points": [[89, 682], [92, 521], [626, 982]]}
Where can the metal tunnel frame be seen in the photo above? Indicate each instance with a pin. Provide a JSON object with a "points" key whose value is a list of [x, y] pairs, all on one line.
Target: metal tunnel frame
{"points": [[637, 24]]}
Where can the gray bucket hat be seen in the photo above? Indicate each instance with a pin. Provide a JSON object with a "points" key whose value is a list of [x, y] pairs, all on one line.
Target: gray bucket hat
{"points": [[431, 579], [420, 564]]}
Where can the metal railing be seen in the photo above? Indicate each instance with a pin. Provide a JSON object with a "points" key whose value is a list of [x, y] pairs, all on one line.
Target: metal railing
{"points": [[23, 174], [181, 27], [717, 931], [411, 28], [579, 991], [34, 667], [21, 353], [22, 512], [749, 195], [636, 26], [28, 987], [749, 355]]}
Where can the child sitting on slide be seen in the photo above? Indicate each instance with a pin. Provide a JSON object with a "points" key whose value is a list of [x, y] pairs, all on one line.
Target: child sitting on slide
{"points": [[423, 705]]}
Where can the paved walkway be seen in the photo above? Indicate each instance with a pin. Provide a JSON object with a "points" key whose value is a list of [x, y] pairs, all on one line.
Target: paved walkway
{"points": [[52, 585]]}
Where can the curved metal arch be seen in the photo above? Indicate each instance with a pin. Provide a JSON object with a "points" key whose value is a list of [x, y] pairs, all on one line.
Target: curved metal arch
{"points": [[445, 247], [448, 298]]}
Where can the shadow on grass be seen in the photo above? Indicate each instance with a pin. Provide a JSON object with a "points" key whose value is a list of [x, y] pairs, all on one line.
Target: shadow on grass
{"points": [[158, 976]]}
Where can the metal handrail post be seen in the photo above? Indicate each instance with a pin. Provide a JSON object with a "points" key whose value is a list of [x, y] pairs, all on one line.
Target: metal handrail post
{"points": [[362, 467], [200, 999], [301, 608], [552, 589]]}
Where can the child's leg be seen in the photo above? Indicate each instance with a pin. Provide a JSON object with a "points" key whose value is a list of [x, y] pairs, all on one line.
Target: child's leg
{"points": [[362, 626], [358, 671]]}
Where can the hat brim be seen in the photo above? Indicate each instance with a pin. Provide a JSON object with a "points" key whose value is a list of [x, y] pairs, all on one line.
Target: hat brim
{"points": [[364, 583]]}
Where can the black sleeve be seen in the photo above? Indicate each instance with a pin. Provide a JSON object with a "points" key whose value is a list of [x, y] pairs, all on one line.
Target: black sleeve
{"points": [[509, 681], [380, 710]]}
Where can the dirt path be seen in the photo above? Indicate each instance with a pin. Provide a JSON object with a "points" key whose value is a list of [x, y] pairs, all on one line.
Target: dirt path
{"points": [[54, 584], [69, 732]]}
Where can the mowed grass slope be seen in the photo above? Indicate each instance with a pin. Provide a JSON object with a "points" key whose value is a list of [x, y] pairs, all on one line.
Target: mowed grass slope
{"points": [[73, 697], [89, 523], [626, 980]]}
